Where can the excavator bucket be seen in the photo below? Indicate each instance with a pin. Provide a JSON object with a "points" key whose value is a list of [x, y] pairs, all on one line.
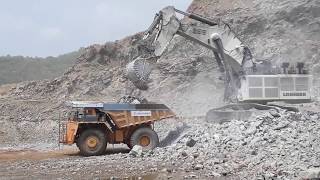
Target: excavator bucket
{"points": [[138, 72]]}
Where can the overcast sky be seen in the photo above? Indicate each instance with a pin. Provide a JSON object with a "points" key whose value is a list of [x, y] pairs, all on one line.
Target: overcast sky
{"points": [[53, 27]]}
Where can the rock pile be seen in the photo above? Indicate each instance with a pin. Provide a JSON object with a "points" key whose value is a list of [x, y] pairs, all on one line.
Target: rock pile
{"points": [[283, 146]]}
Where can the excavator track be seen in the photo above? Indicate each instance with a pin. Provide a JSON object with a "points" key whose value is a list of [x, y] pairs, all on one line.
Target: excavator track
{"points": [[242, 111]]}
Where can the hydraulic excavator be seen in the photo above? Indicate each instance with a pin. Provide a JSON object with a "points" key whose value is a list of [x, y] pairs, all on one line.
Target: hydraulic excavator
{"points": [[248, 82]]}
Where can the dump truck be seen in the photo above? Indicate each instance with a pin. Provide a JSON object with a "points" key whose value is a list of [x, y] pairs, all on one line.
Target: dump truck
{"points": [[92, 125]]}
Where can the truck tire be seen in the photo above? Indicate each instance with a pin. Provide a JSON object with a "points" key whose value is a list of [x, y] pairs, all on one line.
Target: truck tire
{"points": [[92, 142], [145, 137]]}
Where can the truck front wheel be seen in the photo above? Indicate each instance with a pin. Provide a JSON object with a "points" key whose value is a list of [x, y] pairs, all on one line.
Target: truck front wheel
{"points": [[145, 137], [92, 142]]}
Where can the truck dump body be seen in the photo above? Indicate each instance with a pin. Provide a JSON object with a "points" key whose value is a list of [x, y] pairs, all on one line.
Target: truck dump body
{"points": [[125, 115]]}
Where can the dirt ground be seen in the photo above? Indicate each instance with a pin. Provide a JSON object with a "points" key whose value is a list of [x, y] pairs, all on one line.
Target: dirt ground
{"points": [[68, 164]]}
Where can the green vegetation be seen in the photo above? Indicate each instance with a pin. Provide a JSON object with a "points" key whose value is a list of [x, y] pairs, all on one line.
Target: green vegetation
{"points": [[15, 69]]}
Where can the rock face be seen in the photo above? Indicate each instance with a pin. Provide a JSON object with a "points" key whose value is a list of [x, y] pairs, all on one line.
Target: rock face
{"points": [[186, 78]]}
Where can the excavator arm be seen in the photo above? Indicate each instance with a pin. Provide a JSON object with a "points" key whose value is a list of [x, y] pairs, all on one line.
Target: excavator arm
{"points": [[228, 50]]}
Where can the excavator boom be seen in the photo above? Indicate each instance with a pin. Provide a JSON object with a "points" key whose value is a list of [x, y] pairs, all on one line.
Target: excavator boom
{"points": [[166, 25], [218, 37]]}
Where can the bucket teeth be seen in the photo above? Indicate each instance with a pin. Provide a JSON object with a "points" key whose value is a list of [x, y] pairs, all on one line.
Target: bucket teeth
{"points": [[138, 72]]}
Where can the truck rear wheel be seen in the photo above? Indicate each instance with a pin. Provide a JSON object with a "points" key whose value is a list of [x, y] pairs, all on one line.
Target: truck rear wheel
{"points": [[145, 137], [92, 142]]}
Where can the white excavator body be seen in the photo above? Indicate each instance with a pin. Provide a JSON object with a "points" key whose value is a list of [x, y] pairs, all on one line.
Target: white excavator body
{"points": [[246, 79]]}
